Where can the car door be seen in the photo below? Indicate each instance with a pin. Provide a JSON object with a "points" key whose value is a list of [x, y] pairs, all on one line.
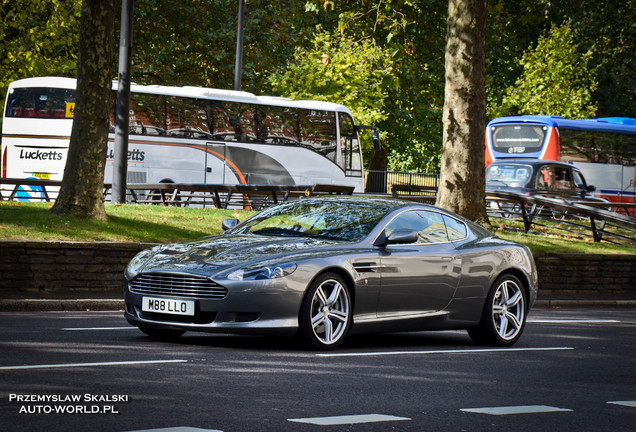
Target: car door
{"points": [[418, 278]]}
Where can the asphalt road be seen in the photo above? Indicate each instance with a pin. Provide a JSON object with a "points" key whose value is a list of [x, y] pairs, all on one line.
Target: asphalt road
{"points": [[572, 370]]}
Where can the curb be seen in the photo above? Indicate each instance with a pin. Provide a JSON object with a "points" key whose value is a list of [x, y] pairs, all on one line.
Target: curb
{"points": [[59, 305], [589, 303]]}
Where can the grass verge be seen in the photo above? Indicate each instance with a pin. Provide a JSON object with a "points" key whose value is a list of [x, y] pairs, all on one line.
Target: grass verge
{"points": [[126, 223], [159, 224]]}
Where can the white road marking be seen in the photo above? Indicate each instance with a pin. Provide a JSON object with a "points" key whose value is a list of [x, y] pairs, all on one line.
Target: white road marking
{"points": [[178, 429], [468, 351], [631, 404], [99, 328], [572, 321], [350, 419], [507, 410], [71, 365]]}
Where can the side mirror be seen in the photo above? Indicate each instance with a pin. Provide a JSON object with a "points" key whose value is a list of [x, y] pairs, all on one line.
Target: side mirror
{"points": [[228, 224], [375, 135], [399, 236], [591, 188]]}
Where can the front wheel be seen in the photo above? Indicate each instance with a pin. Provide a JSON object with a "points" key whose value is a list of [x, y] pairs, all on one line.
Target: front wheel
{"points": [[504, 316], [326, 312]]}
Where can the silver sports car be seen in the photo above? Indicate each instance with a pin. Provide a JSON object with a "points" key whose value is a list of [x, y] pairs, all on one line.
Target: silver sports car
{"points": [[326, 267]]}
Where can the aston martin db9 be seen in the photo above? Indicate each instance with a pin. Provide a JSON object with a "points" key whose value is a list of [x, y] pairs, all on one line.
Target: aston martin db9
{"points": [[323, 268]]}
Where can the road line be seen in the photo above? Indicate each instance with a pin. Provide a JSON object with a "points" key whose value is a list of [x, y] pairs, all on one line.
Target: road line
{"points": [[178, 429], [631, 404], [350, 419], [507, 410], [572, 321], [468, 351], [71, 365], [99, 328]]}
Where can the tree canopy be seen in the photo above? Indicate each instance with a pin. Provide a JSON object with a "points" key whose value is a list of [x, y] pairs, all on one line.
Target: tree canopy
{"points": [[587, 44]]}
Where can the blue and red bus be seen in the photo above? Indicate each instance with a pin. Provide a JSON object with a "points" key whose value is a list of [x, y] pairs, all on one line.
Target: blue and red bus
{"points": [[603, 149]]}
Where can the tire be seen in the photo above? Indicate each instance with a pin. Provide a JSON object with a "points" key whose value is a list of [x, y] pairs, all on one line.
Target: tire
{"points": [[504, 316], [162, 334], [326, 312]]}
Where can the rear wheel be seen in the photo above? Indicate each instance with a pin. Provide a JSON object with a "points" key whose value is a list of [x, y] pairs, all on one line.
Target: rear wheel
{"points": [[504, 316], [326, 312]]}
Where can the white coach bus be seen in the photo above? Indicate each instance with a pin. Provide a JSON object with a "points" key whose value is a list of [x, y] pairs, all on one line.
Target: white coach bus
{"points": [[188, 135]]}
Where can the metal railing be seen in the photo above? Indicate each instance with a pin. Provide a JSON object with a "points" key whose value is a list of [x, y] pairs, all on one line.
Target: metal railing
{"points": [[590, 219], [384, 181]]}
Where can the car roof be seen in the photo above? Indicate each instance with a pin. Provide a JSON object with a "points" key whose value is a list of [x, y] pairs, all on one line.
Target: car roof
{"points": [[532, 162]]}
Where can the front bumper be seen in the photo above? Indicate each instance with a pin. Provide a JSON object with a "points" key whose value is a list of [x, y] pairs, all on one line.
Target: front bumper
{"points": [[255, 309]]}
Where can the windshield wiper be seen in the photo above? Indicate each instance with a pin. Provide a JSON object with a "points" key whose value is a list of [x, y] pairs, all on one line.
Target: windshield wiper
{"points": [[279, 231]]}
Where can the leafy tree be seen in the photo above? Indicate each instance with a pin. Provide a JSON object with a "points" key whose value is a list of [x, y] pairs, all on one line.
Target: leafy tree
{"points": [[81, 190], [556, 80], [462, 176], [195, 43], [413, 33], [336, 69], [37, 38]]}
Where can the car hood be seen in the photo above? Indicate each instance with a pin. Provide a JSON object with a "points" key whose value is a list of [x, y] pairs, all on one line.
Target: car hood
{"points": [[211, 255]]}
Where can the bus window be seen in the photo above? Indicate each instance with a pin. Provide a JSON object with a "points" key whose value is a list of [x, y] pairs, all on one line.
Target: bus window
{"points": [[187, 118], [350, 146], [148, 114], [278, 125], [41, 102], [234, 121], [318, 132]]}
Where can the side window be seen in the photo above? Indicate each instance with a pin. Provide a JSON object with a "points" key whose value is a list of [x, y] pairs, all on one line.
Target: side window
{"points": [[148, 114], [455, 229], [563, 179], [278, 125], [318, 132], [430, 226], [579, 183], [545, 178], [187, 118]]}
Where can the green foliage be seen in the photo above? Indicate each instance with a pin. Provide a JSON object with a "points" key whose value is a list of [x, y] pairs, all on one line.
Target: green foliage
{"points": [[556, 80], [195, 42], [413, 32], [357, 74], [37, 38]]}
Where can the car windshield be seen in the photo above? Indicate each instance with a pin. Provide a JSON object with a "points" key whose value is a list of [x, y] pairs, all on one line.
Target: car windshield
{"points": [[510, 174], [334, 219]]}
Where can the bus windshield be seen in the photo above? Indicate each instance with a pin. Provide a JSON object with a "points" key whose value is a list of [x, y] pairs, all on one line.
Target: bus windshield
{"points": [[42, 102], [518, 139]]}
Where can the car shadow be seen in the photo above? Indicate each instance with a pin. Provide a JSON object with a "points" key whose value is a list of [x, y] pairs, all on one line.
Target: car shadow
{"points": [[353, 343]]}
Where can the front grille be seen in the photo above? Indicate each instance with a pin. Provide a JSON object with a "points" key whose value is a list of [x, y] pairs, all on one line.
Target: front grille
{"points": [[176, 285]]}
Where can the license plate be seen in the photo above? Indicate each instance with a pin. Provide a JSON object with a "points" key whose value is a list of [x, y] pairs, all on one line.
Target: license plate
{"points": [[168, 306], [42, 176]]}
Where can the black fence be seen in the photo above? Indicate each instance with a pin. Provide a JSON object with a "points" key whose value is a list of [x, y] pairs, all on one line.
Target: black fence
{"points": [[383, 181]]}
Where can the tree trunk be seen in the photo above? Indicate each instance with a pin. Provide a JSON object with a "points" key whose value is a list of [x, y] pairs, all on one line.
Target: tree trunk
{"points": [[81, 192], [462, 174]]}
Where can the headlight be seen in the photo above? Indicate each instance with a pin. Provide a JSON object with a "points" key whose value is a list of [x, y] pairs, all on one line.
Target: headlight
{"points": [[135, 265], [263, 272]]}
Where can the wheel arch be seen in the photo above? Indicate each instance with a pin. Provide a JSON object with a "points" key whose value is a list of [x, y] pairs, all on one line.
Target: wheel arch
{"points": [[342, 273], [523, 278]]}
